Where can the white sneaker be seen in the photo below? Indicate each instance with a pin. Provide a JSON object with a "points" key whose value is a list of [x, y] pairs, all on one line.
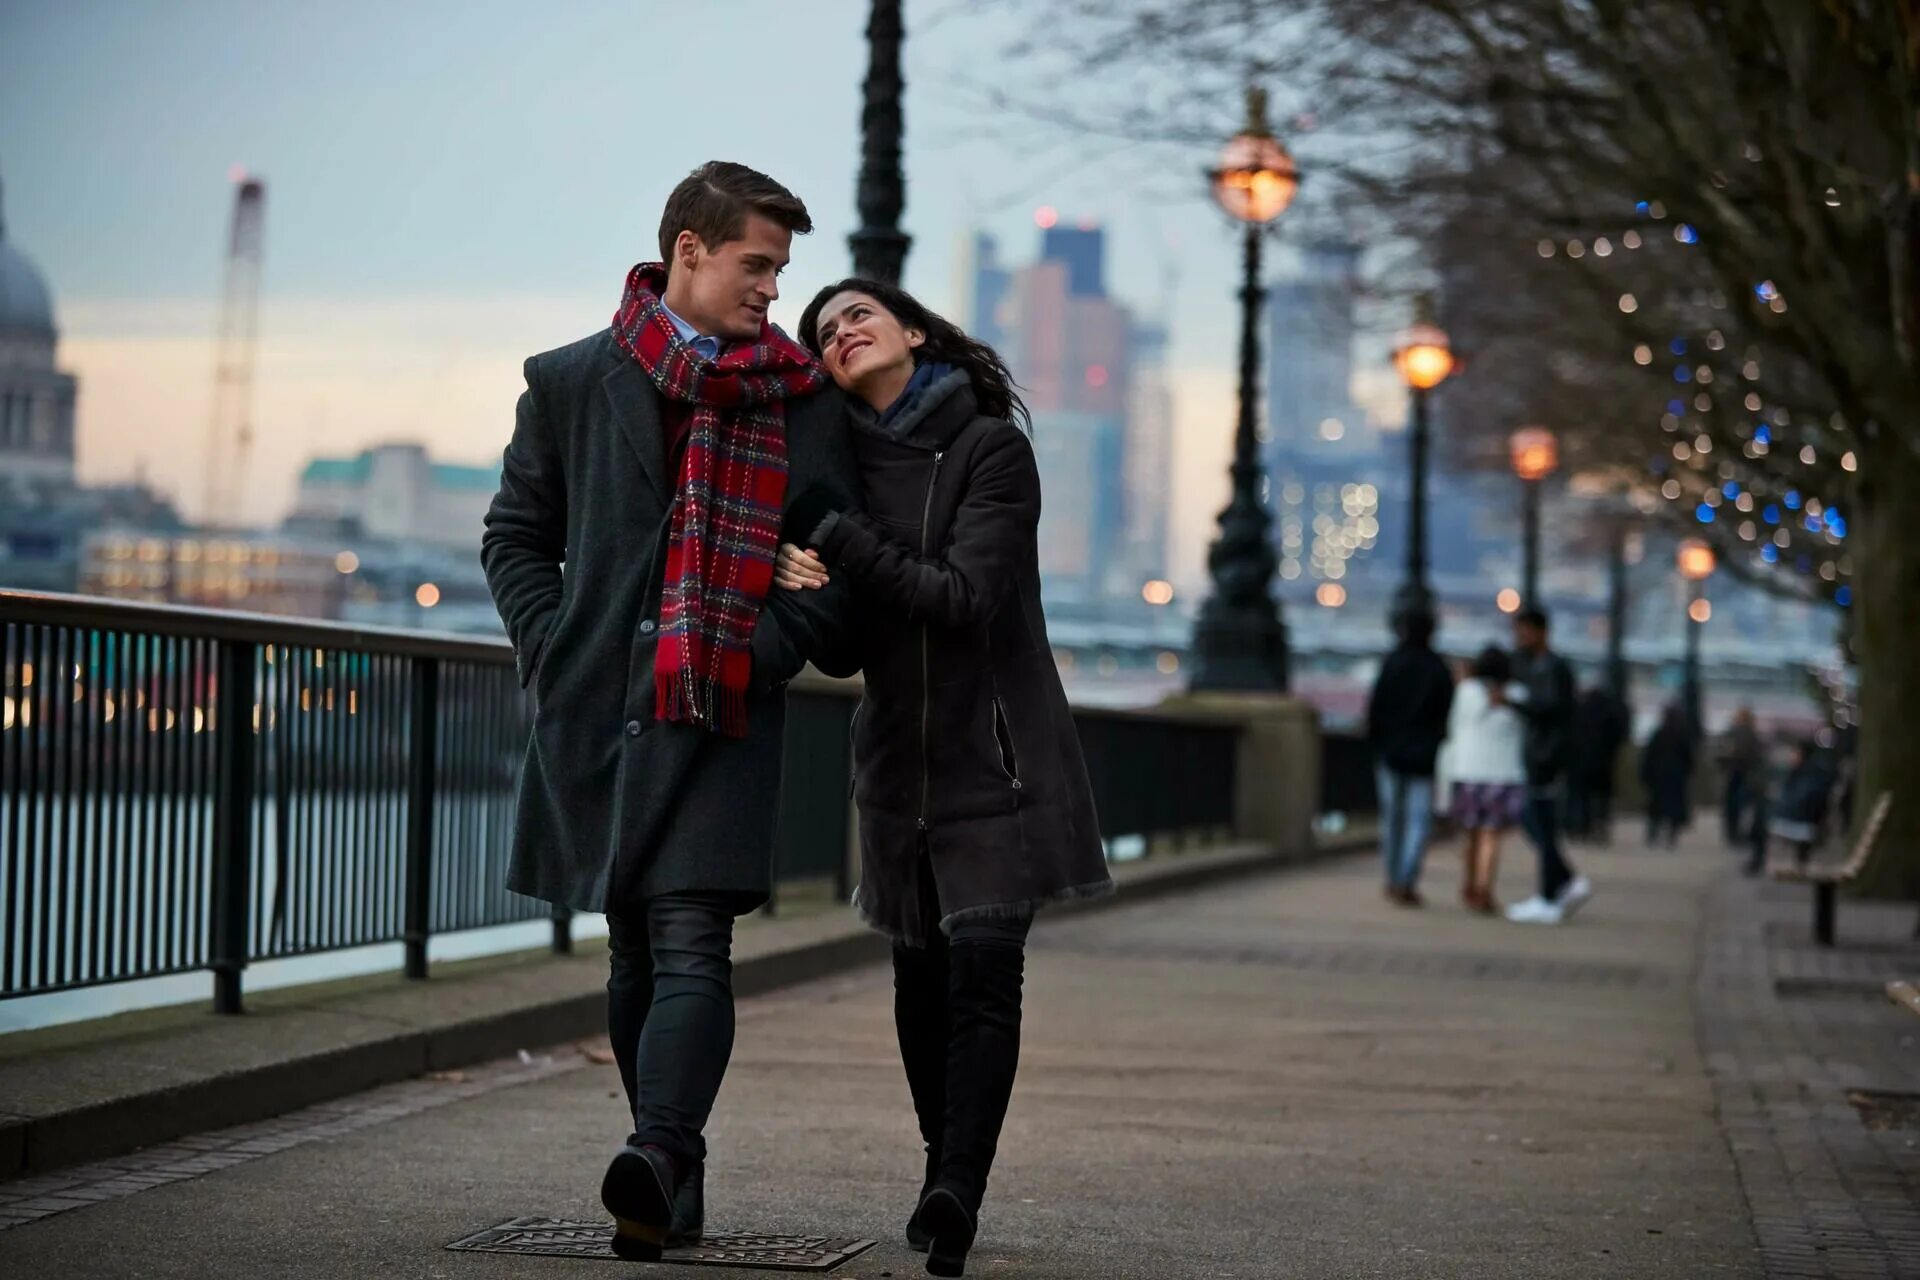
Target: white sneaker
{"points": [[1578, 892], [1535, 910]]}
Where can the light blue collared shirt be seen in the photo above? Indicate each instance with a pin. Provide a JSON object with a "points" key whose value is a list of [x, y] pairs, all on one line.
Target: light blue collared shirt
{"points": [[704, 346]]}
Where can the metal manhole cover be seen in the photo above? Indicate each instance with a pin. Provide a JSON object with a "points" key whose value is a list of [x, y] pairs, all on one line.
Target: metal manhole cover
{"points": [[1879, 1110], [750, 1250]]}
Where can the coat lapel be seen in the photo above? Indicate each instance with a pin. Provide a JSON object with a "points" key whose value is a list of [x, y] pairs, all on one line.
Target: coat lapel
{"points": [[636, 407]]}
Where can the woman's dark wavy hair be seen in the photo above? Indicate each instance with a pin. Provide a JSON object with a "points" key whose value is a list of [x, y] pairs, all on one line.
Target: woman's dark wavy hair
{"points": [[993, 386], [1493, 665]]}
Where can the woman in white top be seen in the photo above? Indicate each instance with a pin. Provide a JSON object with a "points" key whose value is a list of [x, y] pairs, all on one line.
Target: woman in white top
{"points": [[1484, 751]]}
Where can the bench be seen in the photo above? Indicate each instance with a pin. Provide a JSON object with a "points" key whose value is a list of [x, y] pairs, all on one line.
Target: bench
{"points": [[1827, 877], [1905, 992]]}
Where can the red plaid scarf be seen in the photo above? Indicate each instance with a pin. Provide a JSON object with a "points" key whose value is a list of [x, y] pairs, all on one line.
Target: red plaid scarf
{"points": [[725, 526]]}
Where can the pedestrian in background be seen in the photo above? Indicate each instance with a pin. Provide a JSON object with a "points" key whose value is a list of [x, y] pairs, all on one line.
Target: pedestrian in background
{"points": [[1485, 763], [1798, 814], [1406, 722], [1548, 712], [1599, 727], [1666, 770], [1740, 757]]}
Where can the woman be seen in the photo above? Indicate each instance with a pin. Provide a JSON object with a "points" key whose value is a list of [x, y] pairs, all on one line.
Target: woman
{"points": [[1666, 771], [973, 797], [1485, 761]]}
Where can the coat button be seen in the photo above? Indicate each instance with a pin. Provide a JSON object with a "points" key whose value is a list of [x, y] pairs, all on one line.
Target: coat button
{"points": [[633, 728], [647, 627]]}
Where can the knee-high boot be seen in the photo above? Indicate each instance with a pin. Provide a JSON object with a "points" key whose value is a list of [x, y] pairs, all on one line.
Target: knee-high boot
{"points": [[983, 1054], [920, 1022]]}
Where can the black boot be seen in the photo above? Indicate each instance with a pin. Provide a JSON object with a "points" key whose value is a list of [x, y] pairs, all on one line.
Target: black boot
{"points": [[689, 1222], [639, 1190], [983, 1053], [920, 1023]]}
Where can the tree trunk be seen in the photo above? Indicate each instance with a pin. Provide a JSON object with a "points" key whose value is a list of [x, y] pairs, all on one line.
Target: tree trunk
{"points": [[1885, 548]]}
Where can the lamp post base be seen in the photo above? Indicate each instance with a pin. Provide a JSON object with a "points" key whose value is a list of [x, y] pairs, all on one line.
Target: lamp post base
{"points": [[1239, 648]]}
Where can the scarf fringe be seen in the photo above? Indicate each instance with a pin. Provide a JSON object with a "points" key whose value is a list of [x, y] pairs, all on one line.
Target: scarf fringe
{"points": [[708, 704]]}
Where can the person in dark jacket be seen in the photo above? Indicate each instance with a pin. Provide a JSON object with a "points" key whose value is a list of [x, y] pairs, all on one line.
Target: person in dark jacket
{"points": [[1741, 757], [1548, 712], [1666, 771], [654, 469], [1798, 814], [1406, 722], [974, 803], [1599, 727]]}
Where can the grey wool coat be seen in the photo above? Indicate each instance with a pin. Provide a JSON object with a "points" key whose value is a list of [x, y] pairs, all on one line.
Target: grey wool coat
{"points": [[967, 766], [615, 806]]}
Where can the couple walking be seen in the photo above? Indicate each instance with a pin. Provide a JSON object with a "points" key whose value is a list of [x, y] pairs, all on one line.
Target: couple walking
{"points": [[1502, 740], [692, 507]]}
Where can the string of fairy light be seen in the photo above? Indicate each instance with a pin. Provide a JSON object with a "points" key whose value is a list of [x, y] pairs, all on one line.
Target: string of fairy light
{"points": [[1785, 520]]}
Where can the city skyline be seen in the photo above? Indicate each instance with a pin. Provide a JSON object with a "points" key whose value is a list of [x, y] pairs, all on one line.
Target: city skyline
{"points": [[378, 323]]}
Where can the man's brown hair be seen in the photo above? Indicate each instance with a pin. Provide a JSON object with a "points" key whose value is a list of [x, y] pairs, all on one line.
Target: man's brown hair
{"points": [[714, 200]]}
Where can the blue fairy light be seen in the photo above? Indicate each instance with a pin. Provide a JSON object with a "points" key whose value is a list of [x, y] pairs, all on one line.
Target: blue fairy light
{"points": [[1836, 526], [1685, 234], [1764, 435], [1703, 513], [1793, 499], [1676, 407], [1682, 374], [1771, 514], [1731, 489], [1844, 597], [1678, 346], [1815, 524], [1766, 291], [1770, 553], [1641, 207]]}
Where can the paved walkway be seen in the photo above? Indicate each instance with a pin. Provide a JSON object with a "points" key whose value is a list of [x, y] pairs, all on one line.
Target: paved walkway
{"points": [[1279, 1077]]}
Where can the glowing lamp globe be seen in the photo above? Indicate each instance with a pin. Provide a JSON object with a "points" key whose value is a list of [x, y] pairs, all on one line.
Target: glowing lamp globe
{"points": [[1695, 560], [1423, 358], [1535, 453], [1256, 177]]}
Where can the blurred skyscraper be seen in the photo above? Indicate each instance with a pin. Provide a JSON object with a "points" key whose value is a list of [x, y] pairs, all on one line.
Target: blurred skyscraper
{"points": [[1100, 427]]}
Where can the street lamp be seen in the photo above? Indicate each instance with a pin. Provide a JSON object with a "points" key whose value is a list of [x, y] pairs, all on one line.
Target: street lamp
{"points": [[879, 246], [1424, 360], [1695, 560], [1535, 454], [1239, 642]]}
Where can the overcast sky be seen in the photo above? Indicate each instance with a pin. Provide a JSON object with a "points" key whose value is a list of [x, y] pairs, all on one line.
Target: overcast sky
{"points": [[451, 187]]}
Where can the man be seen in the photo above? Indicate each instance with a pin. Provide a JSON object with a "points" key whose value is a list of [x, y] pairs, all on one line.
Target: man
{"points": [[1741, 757], [1406, 722], [1548, 712], [663, 460]]}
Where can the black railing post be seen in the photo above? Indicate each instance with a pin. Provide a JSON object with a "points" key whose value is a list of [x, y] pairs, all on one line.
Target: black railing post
{"points": [[562, 930], [423, 752], [233, 823]]}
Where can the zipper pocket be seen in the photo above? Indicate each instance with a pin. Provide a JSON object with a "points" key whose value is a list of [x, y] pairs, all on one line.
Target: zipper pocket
{"points": [[1003, 742], [853, 767]]}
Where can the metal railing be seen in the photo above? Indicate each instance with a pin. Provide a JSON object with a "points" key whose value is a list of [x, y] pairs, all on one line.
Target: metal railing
{"points": [[185, 789]]}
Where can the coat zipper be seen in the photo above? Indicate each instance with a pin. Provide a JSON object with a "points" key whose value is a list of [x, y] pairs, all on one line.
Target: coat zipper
{"points": [[1009, 760], [926, 668]]}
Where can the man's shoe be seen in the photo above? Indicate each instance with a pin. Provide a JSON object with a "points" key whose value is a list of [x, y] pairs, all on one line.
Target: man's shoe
{"points": [[917, 1238], [689, 1209], [639, 1191], [950, 1227], [1577, 894], [1535, 910]]}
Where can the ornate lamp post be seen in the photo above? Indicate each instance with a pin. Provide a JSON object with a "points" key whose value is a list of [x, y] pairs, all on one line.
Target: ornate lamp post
{"points": [[879, 246], [1535, 454], [1239, 642], [1695, 560], [1424, 360]]}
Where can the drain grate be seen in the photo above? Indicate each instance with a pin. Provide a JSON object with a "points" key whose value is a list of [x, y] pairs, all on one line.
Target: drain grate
{"points": [[1881, 1110], [749, 1250]]}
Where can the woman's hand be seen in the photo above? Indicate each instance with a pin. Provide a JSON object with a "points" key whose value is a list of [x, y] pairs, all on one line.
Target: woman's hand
{"points": [[798, 570]]}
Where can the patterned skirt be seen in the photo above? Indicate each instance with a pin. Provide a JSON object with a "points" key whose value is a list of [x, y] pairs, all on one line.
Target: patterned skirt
{"points": [[1488, 806]]}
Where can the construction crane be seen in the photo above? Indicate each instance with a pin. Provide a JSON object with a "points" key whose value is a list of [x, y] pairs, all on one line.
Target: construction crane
{"points": [[230, 432]]}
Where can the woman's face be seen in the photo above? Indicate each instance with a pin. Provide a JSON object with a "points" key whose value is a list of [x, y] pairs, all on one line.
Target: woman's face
{"points": [[861, 341]]}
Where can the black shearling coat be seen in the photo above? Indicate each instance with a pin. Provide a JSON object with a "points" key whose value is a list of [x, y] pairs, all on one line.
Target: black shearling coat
{"points": [[966, 761], [616, 807]]}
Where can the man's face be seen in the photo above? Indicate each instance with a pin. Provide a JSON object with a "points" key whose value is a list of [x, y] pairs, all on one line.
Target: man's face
{"points": [[730, 286], [1527, 636]]}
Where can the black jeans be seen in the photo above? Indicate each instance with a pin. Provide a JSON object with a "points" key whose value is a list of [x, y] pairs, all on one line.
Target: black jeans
{"points": [[1542, 823], [956, 1010], [1733, 809], [670, 1016]]}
